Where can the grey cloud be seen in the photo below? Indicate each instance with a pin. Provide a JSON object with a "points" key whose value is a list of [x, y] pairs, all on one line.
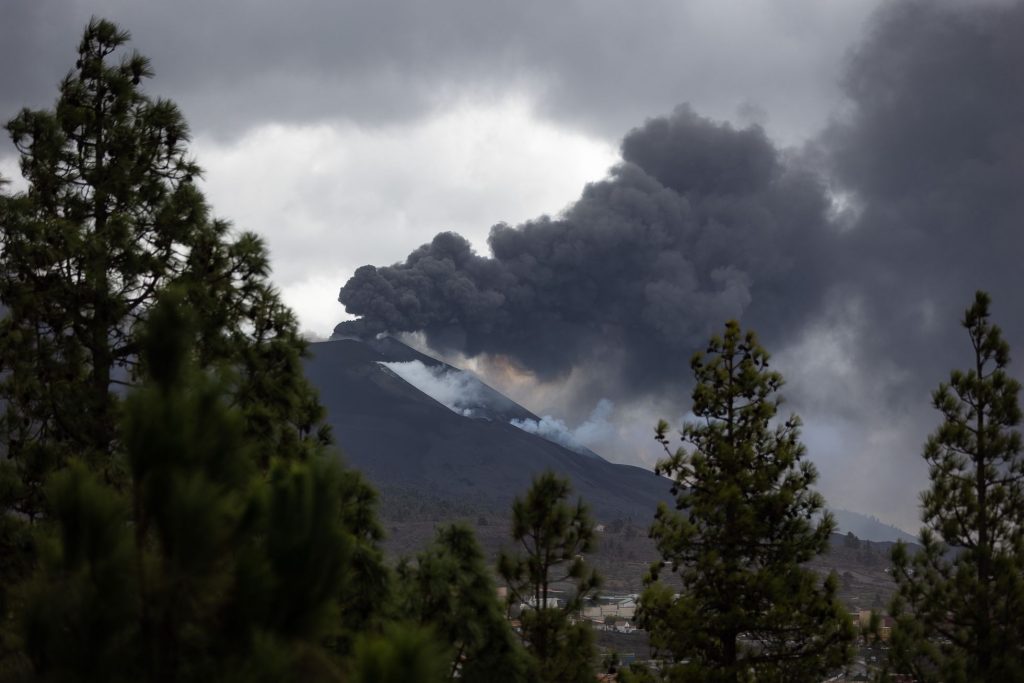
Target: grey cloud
{"points": [[602, 65], [33, 61]]}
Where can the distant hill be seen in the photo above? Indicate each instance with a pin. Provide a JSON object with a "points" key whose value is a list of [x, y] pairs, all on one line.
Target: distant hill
{"points": [[869, 528], [460, 448]]}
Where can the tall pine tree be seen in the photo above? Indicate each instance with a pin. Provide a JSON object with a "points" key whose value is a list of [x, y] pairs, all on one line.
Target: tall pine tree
{"points": [[554, 536], [111, 218], [111, 221], [959, 604], [743, 608]]}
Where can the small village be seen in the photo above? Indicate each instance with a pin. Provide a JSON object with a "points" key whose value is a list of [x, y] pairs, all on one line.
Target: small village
{"points": [[612, 618]]}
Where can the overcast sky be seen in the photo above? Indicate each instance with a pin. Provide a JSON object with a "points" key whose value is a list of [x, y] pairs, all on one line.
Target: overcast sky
{"points": [[320, 123], [350, 133]]}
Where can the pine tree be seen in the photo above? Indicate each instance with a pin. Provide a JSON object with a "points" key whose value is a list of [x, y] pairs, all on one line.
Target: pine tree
{"points": [[111, 218], [744, 608], [450, 588], [258, 553], [404, 653], [367, 593], [959, 604], [200, 566], [554, 535]]}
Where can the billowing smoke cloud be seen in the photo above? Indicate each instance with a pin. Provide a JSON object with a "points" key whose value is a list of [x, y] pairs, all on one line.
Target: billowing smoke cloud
{"points": [[701, 222], [853, 258], [930, 156], [932, 151]]}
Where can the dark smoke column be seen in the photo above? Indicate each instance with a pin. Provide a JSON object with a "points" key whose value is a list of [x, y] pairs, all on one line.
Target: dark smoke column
{"points": [[699, 223]]}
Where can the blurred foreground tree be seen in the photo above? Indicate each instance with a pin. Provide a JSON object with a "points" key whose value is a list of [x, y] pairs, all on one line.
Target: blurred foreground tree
{"points": [[451, 589], [745, 608], [203, 568], [200, 568], [554, 535], [959, 604], [402, 654]]}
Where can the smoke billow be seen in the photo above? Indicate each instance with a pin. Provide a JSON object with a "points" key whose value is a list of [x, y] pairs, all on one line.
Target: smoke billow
{"points": [[701, 222], [933, 152], [930, 154], [853, 258]]}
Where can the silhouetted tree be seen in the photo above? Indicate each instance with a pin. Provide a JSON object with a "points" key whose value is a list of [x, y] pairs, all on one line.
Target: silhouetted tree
{"points": [[168, 509], [554, 536], [744, 609], [959, 605], [111, 218], [450, 588], [200, 567]]}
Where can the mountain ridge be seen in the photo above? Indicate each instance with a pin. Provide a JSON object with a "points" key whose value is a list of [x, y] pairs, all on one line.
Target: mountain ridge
{"points": [[402, 438], [471, 454]]}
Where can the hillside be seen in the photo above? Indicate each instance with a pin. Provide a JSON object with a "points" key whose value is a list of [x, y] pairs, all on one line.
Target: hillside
{"points": [[466, 456], [869, 528]]}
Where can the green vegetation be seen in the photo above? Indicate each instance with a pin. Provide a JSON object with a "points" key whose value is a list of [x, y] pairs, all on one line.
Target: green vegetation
{"points": [[111, 220], [203, 569], [554, 536], [960, 601], [170, 508], [451, 589], [745, 609]]}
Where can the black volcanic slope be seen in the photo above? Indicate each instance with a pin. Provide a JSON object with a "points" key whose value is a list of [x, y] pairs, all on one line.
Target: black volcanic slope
{"points": [[403, 439]]}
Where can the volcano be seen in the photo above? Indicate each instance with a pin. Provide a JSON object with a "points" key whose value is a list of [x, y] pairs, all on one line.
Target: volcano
{"points": [[460, 446]]}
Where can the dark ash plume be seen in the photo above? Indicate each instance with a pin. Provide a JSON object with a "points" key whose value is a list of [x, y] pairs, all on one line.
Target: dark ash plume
{"points": [[700, 222], [933, 153]]}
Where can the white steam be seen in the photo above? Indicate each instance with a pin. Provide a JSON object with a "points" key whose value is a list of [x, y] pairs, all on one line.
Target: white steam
{"points": [[464, 394], [595, 430], [457, 390]]}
